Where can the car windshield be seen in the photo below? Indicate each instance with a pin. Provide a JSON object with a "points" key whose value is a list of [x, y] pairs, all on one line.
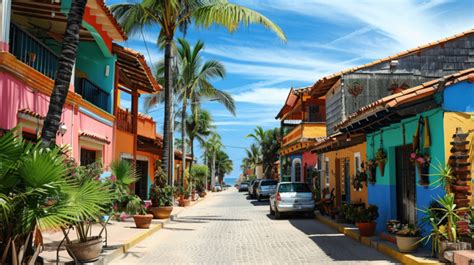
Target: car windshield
{"points": [[269, 183], [294, 187]]}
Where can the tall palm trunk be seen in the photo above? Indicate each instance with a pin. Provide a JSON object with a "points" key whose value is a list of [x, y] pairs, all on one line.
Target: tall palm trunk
{"points": [[183, 144], [213, 169], [66, 63], [168, 155], [191, 143]]}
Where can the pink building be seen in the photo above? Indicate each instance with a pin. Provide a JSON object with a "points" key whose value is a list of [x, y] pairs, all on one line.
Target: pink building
{"points": [[30, 40]]}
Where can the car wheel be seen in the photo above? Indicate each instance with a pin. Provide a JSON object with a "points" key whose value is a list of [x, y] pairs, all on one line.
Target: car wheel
{"points": [[277, 214], [272, 212]]}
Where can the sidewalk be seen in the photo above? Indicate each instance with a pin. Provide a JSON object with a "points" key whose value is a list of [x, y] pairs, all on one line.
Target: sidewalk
{"points": [[421, 256], [121, 236]]}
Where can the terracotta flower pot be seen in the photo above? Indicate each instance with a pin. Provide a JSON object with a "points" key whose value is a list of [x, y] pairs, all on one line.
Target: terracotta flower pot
{"points": [[85, 251], [381, 167], [366, 229], [161, 212], [407, 244], [142, 220], [202, 194], [184, 202]]}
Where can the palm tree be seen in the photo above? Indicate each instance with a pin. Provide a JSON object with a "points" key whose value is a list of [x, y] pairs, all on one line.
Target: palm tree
{"points": [[193, 84], [259, 135], [211, 147], [253, 156], [67, 59], [171, 15], [198, 127], [270, 146], [223, 164]]}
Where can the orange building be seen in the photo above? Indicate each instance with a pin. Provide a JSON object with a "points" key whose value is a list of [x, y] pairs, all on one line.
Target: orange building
{"points": [[136, 138]]}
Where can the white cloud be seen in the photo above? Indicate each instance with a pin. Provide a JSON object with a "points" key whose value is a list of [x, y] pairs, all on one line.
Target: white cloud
{"points": [[263, 96]]}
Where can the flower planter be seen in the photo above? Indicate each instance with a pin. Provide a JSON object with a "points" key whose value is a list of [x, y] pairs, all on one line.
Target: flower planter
{"points": [[423, 174], [202, 194], [407, 244], [184, 202], [366, 229], [142, 220], [381, 167], [161, 212], [88, 251]]}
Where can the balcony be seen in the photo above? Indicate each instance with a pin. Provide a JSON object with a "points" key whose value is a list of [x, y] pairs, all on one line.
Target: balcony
{"points": [[145, 125], [31, 51], [92, 93], [305, 130]]}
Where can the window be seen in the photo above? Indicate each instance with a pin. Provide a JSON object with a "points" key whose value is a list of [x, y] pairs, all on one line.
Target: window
{"points": [[326, 170], [88, 156], [297, 171], [357, 162], [313, 111], [294, 187]]}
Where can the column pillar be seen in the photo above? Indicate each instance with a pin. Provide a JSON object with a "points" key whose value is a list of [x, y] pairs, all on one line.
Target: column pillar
{"points": [[5, 11]]}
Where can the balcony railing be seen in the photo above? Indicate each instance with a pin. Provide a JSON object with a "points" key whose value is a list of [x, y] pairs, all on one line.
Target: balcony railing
{"points": [[92, 93], [124, 120], [305, 130], [28, 49]]}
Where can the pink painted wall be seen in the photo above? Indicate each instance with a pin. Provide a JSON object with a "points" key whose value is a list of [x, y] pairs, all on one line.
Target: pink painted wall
{"points": [[15, 95], [308, 160]]}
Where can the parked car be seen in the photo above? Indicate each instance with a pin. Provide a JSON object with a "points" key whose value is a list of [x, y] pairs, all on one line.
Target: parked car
{"points": [[264, 188], [244, 186], [291, 197], [218, 187], [253, 188]]}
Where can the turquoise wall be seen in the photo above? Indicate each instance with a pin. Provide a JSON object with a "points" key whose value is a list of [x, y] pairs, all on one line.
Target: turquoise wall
{"points": [[93, 62], [383, 192]]}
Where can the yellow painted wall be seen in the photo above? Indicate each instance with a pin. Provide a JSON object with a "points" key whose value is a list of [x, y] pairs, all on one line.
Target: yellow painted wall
{"points": [[312, 130], [453, 120], [356, 196]]}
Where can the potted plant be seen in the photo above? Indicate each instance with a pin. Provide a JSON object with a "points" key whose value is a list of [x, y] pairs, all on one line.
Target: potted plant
{"points": [[422, 162], [381, 158], [136, 207], [184, 200], [357, 180], [408, 238], [365, 220], [371, 167], [161, 196], [100, 196]]}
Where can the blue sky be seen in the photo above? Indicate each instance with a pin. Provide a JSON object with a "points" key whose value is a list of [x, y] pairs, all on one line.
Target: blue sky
{"points": [[323, 37]]}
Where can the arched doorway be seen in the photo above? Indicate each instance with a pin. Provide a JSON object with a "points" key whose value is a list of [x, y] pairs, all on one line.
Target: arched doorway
{"points": [[296, 170]]}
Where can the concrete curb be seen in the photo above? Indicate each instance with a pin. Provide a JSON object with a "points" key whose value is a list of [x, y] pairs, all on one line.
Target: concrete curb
{"points": [[379, 246]]}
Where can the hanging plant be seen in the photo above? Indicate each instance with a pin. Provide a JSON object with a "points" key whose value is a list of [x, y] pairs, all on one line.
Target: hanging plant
{"points": [[422, 162], [381, 158], [371, 167], [357, 182]]}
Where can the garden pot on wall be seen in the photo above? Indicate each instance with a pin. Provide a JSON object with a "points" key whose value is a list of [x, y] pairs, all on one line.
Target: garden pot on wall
{"points": [[381, 167], [161, 212], [423, 174], [366, 229], [142, 220], [407, 244], [88, 251]]}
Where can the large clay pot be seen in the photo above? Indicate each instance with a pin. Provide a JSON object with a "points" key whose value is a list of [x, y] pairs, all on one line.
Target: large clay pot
{"points": [[366, 229], [381, 167], [202, 194], [142, 220], [85, 251], [407, 244], [161, 212], [184, 202]]}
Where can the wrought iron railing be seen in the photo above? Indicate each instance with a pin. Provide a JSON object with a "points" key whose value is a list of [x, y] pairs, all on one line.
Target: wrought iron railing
{"points": [[92, 93], [32, 51], [124, 120]]}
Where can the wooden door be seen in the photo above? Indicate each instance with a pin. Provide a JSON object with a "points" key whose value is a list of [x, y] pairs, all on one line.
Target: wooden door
{"points": [[338, 182], [141, 186], [347, 180], [405, 185]]}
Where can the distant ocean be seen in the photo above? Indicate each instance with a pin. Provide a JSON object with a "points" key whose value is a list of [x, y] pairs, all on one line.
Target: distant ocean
{"points": [[230, 181]]}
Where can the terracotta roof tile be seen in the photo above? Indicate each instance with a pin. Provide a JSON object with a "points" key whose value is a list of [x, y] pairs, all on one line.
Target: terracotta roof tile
{"points": [[320, 87], [112, 19], [408, 95], [32, 114], [94, 137]]}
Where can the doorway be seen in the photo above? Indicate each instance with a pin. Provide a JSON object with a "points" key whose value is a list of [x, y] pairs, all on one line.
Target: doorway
{"points": [[347, 181], [405, 185], [141, 186]]}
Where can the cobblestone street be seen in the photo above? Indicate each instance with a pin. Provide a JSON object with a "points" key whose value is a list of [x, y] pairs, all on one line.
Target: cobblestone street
{"points": [[229, 228]]}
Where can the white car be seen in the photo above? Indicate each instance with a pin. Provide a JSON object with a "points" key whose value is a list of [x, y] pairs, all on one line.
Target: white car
{"points": [[290, 197], [218, 187]]}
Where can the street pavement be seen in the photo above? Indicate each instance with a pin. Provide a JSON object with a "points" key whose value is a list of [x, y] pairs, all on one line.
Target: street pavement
{"points": [[228, 228]]}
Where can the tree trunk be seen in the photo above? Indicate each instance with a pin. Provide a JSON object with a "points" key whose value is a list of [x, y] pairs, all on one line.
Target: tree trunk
{"points": [[191, 143], [167, 158], [183, 145], [67, 59], [213, 169]]}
